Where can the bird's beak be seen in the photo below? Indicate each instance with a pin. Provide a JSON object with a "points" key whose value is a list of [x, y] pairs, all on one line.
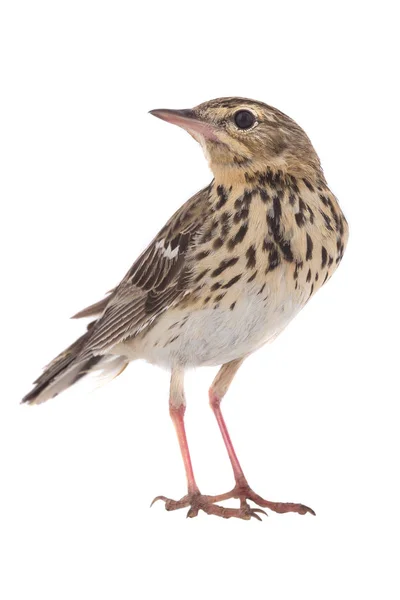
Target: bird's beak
{"points": [[187, 119]]}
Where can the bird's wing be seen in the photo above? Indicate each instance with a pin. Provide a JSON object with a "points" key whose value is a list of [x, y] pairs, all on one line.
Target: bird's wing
{"points": [[159, 278]]}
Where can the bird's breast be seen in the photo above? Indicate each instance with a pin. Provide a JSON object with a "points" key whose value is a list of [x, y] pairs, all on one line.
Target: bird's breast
{"points": [[262, 253], [200, 335]]}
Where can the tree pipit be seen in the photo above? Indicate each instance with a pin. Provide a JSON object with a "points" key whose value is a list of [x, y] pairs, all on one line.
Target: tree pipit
{"points": [[223, 277]]}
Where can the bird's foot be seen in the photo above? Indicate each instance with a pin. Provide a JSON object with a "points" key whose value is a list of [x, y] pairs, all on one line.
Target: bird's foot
{"points": [[244, 492], [197, 502]]}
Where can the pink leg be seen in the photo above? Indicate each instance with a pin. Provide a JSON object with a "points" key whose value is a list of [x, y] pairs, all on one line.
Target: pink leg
{"points": [[242, 489], [194, 499], [177, 416], [215, 403]]}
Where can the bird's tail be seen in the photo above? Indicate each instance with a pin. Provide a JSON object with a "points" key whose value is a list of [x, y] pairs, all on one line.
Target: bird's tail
{"points": [[67, 368]]}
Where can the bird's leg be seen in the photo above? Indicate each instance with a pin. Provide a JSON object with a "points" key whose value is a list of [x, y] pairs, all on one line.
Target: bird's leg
{"points": [[242, 489], [177, 415], [177, 409], [217, 391], [194, 499]]}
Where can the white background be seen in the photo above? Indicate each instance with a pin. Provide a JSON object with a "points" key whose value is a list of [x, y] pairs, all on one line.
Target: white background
{"points": [[87, 179]]}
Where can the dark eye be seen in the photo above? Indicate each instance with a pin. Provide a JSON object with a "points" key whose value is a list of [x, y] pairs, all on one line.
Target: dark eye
{"points": [[244, 119]]}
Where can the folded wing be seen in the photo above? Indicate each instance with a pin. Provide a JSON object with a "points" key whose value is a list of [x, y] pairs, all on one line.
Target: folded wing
{"points": [[160, 278]]}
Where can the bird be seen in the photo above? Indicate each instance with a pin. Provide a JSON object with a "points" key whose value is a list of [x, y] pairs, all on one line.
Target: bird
{"points": [[225, 276]]}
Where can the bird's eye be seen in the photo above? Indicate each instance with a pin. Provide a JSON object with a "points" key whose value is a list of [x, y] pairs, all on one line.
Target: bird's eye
{"points": [[244, 119]]}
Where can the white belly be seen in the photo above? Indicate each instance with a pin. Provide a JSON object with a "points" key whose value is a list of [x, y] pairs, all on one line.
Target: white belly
{"points": [[213, 336]]}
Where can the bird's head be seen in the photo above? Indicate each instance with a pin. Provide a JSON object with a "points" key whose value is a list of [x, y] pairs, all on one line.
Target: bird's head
{"points": [[240, 137]]}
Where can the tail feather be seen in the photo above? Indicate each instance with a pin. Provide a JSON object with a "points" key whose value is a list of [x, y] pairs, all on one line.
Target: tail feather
{"points": [[51, 386], [67, 368]]}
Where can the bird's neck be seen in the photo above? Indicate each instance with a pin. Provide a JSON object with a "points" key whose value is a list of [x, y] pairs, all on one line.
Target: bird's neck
{"points": [[240, 179]]}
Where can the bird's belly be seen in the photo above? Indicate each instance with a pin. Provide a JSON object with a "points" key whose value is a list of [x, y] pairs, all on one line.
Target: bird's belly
{"points": [[215, 335]]}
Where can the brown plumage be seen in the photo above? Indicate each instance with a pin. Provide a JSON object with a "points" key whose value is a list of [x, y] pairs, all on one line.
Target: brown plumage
{"points": [[225, 275]]}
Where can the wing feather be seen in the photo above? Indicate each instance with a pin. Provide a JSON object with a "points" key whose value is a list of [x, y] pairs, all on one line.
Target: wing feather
{"points": [[160, 278], [94, 310]]}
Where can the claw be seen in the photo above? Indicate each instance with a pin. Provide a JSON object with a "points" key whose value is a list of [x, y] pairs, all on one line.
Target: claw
{"points": [[192, 512], [310, 510], [164, 498], [260, 510], [254, 514]]}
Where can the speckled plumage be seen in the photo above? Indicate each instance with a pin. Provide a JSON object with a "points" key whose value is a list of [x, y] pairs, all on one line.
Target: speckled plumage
{"points": [[248, 271], [229, 270]]}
